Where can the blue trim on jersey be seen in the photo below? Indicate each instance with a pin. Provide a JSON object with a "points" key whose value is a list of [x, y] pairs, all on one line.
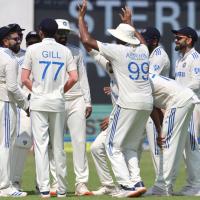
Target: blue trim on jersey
{"points": [[20, 62], [193, 138], [7, 124], [195, 55], [170, 127], [113, 129], [155, 134], [158, 52], [18, 121]]}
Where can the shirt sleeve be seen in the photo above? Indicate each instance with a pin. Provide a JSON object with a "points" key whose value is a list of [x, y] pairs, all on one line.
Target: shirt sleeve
{"points": [[158, 65], [27, 64], [101, 60], [70, 62], [84, 80], [109, 51], [12, 85], [195, 76]]}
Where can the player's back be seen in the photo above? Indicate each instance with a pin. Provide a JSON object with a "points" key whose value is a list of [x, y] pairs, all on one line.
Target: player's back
{"points": [[168, 93], [49, 62], [131, 67]]}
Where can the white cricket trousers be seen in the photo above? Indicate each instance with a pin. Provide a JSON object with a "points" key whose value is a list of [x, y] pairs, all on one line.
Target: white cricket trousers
{"points": [[98, 152], [125, 132], [49, 126], [76, 123], [175, 130], [8, 119], [23, 143], [192, 152]]}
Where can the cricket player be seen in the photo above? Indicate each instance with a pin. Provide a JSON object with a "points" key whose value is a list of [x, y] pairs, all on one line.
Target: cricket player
{"points": [[158, 64], [10, 95], [47, 102], [178, 103], [187, 73], [134, 104], [23, 140], [98, 147], [77, 109]]}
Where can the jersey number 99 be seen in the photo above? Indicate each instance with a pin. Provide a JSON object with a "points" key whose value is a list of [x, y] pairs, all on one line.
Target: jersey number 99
{"points": [[138, 71]]}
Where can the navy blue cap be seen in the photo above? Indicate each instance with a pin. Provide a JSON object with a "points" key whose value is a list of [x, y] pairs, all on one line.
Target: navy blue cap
{"points": [[187, 31], [48, 25], [150, 33], [32, 34], [5, 31], [17, 27]]}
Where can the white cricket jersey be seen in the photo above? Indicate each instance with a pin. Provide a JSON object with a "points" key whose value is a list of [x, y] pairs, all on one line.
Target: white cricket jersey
{"points": [[168, 93], [187, 71], [81, 87], [9, 90], [102, 62], [159, 62], [49, 62], [130, 65]]}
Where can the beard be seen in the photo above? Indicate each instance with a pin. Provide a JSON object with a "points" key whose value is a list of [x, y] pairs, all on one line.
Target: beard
{"points": [[15, 48], [177, 48]]}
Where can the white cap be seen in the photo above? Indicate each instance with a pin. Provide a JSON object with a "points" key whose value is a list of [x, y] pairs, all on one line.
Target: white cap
{"points": [[125, 32], [64, 24]]}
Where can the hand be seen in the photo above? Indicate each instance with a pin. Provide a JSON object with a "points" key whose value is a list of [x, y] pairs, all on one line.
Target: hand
{"points": [[160, 141], [126, 15], [104, 123], [88, 111], [82, 9], [107, 90]]}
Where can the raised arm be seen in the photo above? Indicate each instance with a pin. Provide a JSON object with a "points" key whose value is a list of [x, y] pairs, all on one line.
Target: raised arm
{"points": [[126, 17], [85, 37]]}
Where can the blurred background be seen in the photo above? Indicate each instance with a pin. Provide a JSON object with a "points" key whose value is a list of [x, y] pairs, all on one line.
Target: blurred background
{"points": [[103, 14]]}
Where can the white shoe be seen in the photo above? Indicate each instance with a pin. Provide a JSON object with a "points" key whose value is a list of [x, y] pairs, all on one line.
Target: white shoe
{"points": [[81, 190], [59, 195], [157, 191], [11, 192], [188, 191], [45, 195], [105, 190], [126, 192]]}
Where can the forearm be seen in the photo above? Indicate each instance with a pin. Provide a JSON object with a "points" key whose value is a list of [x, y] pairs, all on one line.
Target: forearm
{"points": [[156, 119], [28, 83], [69, 84], [86, 38]]}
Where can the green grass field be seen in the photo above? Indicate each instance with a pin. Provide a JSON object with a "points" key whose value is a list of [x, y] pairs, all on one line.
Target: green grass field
{"points": [[146, 172]]}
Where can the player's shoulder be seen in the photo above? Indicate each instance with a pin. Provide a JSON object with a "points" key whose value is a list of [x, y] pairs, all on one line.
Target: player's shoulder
{"points": [[7, 53], [194, 55], [158, 51]]}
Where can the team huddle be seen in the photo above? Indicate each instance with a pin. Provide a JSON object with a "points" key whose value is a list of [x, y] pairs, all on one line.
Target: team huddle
{"points": [[45, 90]]}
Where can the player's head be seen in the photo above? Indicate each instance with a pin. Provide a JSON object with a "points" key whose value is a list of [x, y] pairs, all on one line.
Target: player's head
{"points": [[63, 30], [185, 38], [48, 28], [18, 29], [151, 36], [124, 34], [9, 38], [32, 37]]}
